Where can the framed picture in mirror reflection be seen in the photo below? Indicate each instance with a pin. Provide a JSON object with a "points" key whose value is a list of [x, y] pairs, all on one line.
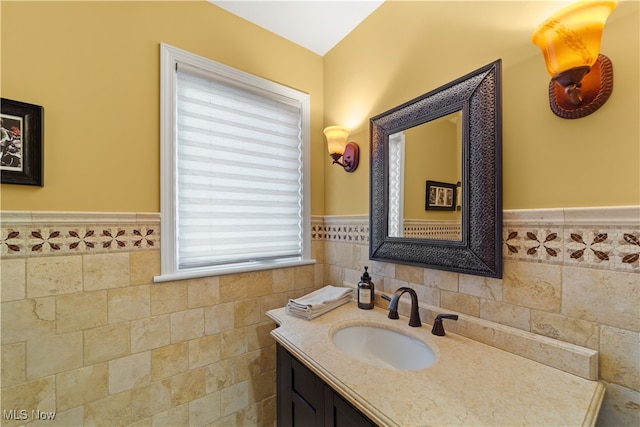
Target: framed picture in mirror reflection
{"points": [[440, 196]]}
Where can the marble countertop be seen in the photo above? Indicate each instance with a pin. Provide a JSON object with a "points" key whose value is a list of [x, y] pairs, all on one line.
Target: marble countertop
{"points": [[470, 383]]}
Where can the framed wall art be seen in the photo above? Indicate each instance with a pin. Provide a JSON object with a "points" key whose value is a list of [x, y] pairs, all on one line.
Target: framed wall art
{"points": [[21, 142], [440, 196]]}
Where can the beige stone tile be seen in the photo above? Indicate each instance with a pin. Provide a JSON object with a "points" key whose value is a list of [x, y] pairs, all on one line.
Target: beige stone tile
{"points": [[187, 386], [234, 398], [129, 372], [106, 271], [339, 254], [318, 275], [81, 310], [391, 285], [483, 287], [317, 251], [386, 269], [186, 325], [13, 278], [249, 416], [333, 275], [426, 294], [168, 297], [263, 386], [260, 283], [170, 360], [282, 279], [353, 277], [234, 287], [361, 255], [144, 265], [36, 394], [533, 285], [620, 356], [129, 303], [506, 314], [461, 303], [56, 275], [203, 292], [115, 408], [268, 358], [220, 375], [151, 332], [409, 273], [590, 294], [233, 343], [12, 363], [54, 354], [106, 343], [269, 410], [218, 318], [151, 399], [247, 366], [269, 302], [27, 319], [205, 410], [204, 351], [568, 329], [619, 407], [446, 280], [82, 385], [178, 416], [246, 312], [303, 277]]}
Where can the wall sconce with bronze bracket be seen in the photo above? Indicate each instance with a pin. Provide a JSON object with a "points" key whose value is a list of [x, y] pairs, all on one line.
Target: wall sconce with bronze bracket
{"points": [[339, 148], [582, 78]]}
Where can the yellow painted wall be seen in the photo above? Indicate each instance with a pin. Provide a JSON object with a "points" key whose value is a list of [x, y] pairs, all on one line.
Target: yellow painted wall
{"points": [[405, 49], [94, 66]]}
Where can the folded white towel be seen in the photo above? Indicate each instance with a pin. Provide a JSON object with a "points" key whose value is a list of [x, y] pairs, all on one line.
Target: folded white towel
{"points": [[319, 298], [318, 302]]}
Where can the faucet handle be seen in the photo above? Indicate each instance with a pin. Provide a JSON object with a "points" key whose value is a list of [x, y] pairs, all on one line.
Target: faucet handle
{"points": [[393, 314], [438, 327]]}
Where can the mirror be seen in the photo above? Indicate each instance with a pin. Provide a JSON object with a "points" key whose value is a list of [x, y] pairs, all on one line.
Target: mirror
{"points": [[427, 203], [436, 178]]}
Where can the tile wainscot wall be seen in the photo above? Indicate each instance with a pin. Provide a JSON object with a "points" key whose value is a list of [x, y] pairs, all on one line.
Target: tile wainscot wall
{"points": [[87, 335]]}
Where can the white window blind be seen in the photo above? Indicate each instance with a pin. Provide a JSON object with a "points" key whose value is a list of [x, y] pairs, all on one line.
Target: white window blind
{"points": [[239, 172]]}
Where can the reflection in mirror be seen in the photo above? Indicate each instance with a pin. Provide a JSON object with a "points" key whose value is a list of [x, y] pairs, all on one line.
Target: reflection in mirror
{"points": [[431, 151]]}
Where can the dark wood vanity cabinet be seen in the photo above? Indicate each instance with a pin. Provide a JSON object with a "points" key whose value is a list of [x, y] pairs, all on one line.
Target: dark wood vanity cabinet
{"points": [[304, 400]]}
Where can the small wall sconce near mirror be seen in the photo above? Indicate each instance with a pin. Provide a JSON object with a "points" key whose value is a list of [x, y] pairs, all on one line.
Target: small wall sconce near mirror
{"points": [[582, 78], [339, 148]]}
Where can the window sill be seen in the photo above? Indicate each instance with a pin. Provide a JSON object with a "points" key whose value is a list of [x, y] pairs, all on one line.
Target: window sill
{"points": [[219, 271]]}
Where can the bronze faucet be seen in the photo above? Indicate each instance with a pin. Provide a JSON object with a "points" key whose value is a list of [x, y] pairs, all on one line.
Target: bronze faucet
{"points": [[414, 319]]}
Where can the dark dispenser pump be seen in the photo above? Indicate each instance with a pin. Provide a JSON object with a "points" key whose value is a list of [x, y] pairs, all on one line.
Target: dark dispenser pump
{"points": [[366, 294]]}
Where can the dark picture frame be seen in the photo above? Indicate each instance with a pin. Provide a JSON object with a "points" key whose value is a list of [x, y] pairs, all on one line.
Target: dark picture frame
{"points": [[21, 143], [440, 196]]}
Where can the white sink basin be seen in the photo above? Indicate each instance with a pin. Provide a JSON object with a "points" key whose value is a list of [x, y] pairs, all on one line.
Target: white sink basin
{"points": [[383, 347]]}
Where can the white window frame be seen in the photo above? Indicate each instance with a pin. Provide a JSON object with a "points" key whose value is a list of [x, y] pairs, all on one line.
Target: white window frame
{"points": [[169, 58]]}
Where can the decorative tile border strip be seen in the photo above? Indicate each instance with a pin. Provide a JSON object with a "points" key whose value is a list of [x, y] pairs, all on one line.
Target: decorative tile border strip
{"points": [[27, 234], [601, 238]]}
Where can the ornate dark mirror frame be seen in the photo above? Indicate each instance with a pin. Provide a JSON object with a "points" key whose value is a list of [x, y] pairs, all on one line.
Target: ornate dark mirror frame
{"points": [[479, 252]]}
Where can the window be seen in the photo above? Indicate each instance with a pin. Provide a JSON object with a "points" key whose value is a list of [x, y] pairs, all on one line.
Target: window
{"points": [[234, 170]]}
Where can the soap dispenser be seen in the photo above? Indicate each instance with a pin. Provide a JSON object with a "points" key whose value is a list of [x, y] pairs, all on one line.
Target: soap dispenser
{"points": [[366, 295]]}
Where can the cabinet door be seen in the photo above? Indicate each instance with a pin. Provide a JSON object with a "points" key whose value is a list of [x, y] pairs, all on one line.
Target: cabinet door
{"points": [[300, 393], [339, 413]]}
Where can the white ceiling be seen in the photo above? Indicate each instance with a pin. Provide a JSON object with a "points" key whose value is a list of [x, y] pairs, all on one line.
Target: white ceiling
{"points": [[317, 25]]}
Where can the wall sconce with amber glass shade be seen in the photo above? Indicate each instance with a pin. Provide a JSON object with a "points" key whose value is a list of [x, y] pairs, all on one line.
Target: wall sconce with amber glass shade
{"points": [[582, 78], [339, 148]]}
